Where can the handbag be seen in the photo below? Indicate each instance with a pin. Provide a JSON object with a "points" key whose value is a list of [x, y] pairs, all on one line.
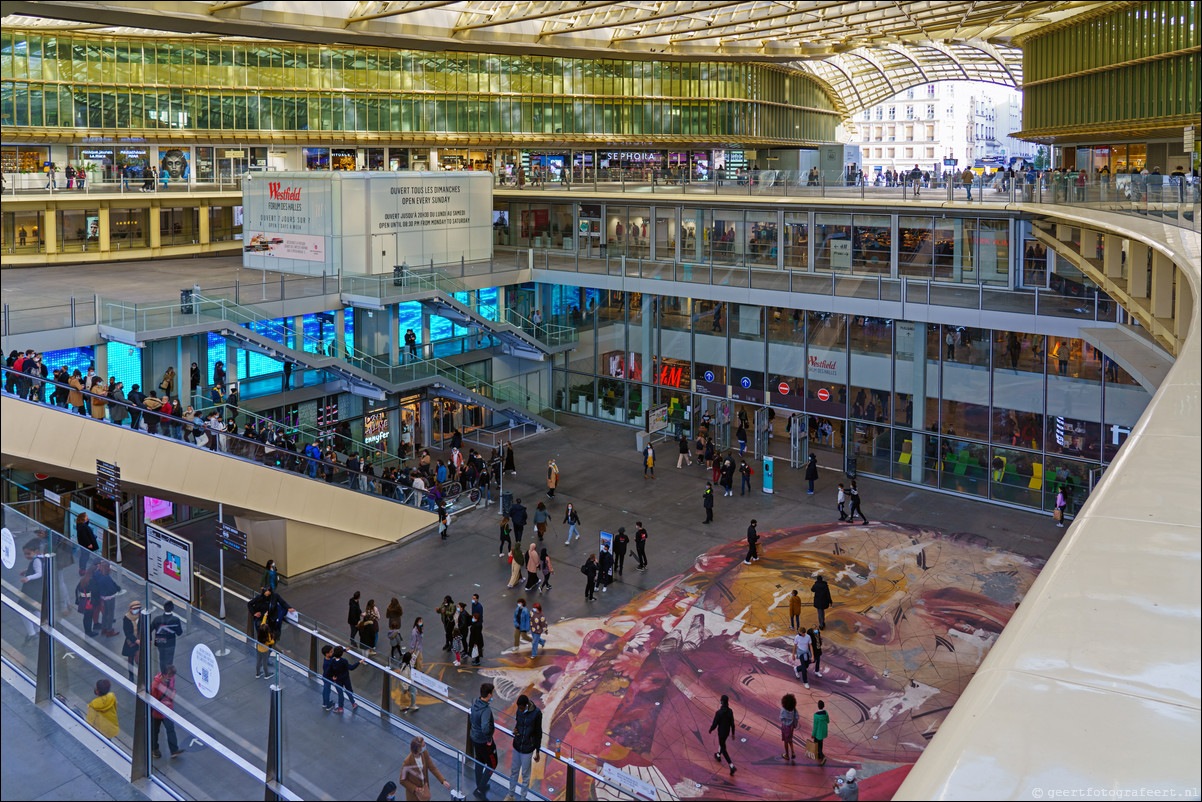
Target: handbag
{"points": [[202, 441], [811, 747], [492, 756]]}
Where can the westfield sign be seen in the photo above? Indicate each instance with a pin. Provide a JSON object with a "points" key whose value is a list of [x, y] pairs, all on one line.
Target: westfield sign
{"points": [[276, 192], [823, 365]]}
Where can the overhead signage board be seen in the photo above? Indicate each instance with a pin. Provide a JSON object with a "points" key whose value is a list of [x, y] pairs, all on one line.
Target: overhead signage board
{"points": [[231, 537], [108, 480]]}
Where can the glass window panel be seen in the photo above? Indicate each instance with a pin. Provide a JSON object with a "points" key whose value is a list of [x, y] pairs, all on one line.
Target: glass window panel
{"points": [[832, 244], [915, 247]]}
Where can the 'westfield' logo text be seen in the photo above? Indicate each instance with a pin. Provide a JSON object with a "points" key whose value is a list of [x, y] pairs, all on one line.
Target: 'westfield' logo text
{"points": [[287, 193], [823, 364]]}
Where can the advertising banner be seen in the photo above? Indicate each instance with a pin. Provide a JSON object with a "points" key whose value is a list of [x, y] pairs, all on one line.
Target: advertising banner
{"points": [[169, 562], [286, 246]]}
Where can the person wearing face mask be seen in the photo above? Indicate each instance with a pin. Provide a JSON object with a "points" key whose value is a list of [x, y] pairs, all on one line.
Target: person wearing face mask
{"points": [[416, 771]]}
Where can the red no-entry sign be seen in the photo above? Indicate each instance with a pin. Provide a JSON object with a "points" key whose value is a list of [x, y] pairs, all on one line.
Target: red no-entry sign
{"points": [[824, 395], [783, 388]]}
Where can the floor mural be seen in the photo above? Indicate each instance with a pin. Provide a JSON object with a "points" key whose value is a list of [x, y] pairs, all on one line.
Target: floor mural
{"points": [[915, 612]]}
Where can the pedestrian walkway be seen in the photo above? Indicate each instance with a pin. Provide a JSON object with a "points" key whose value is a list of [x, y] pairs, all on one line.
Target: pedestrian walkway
{"points": [[42, 760]]}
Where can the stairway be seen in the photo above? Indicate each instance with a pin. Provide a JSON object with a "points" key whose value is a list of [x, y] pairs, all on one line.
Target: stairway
{"points": [[519, 335]]}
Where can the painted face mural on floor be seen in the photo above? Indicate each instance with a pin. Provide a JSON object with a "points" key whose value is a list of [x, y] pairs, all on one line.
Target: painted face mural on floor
{"points": [[915, 613]]}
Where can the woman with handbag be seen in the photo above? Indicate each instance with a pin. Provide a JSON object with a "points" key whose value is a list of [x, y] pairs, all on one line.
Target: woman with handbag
{"points": [[416, 770], [167, 383]]}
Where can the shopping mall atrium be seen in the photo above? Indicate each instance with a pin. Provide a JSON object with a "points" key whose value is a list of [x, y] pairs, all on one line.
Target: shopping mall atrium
{"points": [[416, 260]]}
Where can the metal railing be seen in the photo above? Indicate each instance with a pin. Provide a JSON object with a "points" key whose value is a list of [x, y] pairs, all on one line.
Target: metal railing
{"points": [[42, 184], [304, 764], [270, 448]]}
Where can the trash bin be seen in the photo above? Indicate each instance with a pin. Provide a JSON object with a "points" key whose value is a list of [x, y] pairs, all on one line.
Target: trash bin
{"points": [[641, 440], [185, 302], [850, 466], [506, 501]]}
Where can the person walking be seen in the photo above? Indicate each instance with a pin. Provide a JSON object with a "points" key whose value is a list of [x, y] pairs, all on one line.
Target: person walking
{"points": [[271, 577], [354, 615], [369, 625], [816, 649], [527, 737], [540, 520], [822, 721], [589, 569], [641, 546], [538, 629], [727, 479], [801, 655], [163, 631], [521, 623], [707, 501], [966, 179], [415, 643], [515, 565], [546, 568], [794, 611], [104, 593], [507, 455], [605, 568], [741, 436], [572, 519], [841, 500], [621, 543], [416, 770], [506, 541], [724, 723], [475, 638], [753, 540], [162, 687], [1061, 504], [533, 561], [811, 474], [855, 504], [552, 478], [446, 612], [393, 614], [684, 452], [263, 650], [517, 517], [745, 473], [133, 640], [822, 599], [481, 735]]}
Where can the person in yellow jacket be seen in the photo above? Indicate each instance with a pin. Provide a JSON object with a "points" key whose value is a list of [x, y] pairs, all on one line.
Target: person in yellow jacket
{"points": [[102, 711]]}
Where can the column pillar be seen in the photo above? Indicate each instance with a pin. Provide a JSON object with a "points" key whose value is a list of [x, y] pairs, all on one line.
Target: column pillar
{"points": [[1162, 285], [1137, 270], [49, 230], [156, 237], [204, 225], [918, 448], [394, 346], [427, 350], [100, 358], [105, 237], [340, 333], [231, 365], [648, 318], [1112, 260]]}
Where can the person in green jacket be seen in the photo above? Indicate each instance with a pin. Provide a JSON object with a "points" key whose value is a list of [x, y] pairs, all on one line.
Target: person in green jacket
{"points": [[822, 721]]}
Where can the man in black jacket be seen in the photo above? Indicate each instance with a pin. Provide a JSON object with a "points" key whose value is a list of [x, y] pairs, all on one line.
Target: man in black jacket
{"points": [[621, 543], [822, 599], [707, 501], [136, 399], [753, 540], [724, 723], [517, 517], [527, 737], [270, 607], [640, 545], [164, 629]]}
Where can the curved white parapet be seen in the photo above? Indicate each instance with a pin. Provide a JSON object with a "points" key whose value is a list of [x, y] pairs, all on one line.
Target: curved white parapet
{"points": [[1094, 685]]}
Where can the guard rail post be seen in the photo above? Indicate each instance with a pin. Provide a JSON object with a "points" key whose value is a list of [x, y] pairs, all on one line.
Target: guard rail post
{"points": [[44, 690], [386, 696], [275, 754], [570, 791], [140, 765], [313, 652]]}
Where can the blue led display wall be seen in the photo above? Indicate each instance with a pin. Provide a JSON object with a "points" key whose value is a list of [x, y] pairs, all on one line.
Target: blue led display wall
{"points": [[124, 363], [72, 358]]}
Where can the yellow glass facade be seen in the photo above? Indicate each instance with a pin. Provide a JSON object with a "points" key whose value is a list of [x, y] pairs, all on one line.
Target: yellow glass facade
{"points": [[185, 88], [1096, 73]]}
